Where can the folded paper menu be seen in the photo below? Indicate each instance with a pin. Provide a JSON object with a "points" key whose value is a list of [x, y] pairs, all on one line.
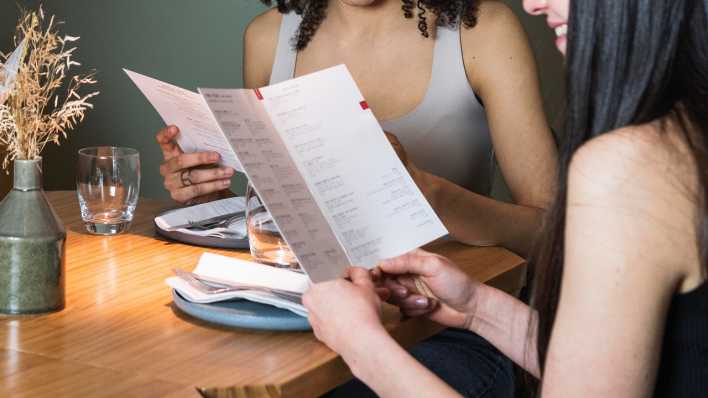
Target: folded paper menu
{"points": [[319, 161], [237, 271]]}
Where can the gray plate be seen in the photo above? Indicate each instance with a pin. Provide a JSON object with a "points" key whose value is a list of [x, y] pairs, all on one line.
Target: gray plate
{"points": [[243, 314], [206, 241]]}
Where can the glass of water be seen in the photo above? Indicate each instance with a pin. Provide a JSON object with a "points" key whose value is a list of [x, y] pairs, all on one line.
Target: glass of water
{"points": [[108, 186], [266, 243]]}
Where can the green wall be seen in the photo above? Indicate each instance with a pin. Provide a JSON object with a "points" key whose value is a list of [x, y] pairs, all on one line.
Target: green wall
{"points": [[190, 43]]}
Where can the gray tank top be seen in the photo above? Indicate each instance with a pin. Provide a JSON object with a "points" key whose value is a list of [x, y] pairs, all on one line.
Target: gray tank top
{"points": [[447, 134]]}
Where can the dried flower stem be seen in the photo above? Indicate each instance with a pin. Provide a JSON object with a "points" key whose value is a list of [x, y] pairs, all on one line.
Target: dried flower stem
{"points": [[36, 113]]}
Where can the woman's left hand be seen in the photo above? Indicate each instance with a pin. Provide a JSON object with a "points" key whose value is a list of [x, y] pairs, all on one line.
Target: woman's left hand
{"points": [[342, 313]]}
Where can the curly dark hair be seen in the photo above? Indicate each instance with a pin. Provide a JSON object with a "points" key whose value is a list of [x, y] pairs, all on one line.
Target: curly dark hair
{"points": [[448, 13]]}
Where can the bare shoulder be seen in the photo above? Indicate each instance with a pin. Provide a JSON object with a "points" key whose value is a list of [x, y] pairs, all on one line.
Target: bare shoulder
{"points": [[494, 18], [644, 176], [491, 11], [265, 24], [260, 42], [496, 46], [653, 155]]}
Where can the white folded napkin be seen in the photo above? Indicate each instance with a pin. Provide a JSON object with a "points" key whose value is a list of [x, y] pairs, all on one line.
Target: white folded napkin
{"points": [[237, 271], [217, 208]]}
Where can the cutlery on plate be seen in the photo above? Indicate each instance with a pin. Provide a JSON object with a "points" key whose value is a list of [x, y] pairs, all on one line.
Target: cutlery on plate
{"points": [[218, 222], [212, 222]]}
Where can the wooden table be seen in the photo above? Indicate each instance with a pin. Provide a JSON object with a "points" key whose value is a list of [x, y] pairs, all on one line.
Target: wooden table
{"points": [[120, 335]]}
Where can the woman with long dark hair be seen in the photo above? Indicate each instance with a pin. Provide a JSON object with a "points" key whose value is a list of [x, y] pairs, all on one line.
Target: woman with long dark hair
{"points": [[455, 82], [620, 299]]}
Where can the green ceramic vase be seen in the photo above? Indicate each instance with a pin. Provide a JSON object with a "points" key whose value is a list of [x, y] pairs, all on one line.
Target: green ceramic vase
{"points": [[32, 246]]}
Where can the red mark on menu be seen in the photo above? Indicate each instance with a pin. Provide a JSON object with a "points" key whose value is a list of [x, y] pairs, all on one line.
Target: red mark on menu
{"points": [[258, 94], [364, 105]]}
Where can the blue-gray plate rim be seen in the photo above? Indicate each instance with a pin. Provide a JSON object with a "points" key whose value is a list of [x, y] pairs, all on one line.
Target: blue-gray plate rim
{"points": [[243, 314]]}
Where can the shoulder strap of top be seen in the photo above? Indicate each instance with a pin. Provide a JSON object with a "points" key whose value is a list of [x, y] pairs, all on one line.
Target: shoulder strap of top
{"points": [[448, 63], [285, 54]]}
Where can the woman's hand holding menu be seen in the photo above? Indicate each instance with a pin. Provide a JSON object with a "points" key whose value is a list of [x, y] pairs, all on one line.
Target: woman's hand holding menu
{"points": [[457, 297], [191, 177]]}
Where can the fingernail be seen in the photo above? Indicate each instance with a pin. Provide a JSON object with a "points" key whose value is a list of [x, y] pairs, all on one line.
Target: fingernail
{"points": [[225, 183], [422, 302], [228, 172], [214, 157], [401, 291]]}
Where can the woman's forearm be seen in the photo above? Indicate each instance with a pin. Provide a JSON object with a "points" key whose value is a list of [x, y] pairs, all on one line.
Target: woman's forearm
{"points": [[391, 371], [481, 221], [508, 324], [504, 321]]}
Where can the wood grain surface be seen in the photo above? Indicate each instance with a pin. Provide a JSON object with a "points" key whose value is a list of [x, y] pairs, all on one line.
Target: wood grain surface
{"points": [[120, 336]]}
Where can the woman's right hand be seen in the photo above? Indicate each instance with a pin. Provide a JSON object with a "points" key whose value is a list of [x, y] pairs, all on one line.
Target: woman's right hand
{"points": [[456, 295], [191, 177]]}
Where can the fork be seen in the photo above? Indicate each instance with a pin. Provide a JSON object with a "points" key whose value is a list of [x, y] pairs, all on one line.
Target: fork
{"points": [[217, 222], [203, 285]]}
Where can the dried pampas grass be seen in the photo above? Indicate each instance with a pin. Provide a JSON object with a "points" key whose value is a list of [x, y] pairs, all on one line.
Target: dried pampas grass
{"points": [[46, 102]]}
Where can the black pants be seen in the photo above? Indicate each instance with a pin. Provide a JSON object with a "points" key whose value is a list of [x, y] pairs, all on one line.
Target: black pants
{"points": [[464, 360]]}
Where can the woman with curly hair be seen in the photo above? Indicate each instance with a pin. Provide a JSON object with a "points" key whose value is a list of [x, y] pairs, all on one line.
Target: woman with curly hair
{"points": [[455, 84], [454, 81]]}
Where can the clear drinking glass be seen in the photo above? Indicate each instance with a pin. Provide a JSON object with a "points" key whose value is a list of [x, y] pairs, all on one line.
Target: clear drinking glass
{"points": [[266, 243], [108, 186]]}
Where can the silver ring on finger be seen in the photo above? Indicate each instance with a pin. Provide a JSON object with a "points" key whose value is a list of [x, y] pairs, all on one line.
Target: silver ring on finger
{"points": [[186, 177]]}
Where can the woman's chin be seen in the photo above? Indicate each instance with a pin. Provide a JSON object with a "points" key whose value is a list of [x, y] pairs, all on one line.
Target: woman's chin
{"points": [[358, 3]]}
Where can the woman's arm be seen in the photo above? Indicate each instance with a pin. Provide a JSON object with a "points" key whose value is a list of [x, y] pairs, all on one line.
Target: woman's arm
{"points": [[371, 353], [478, 220], [391, 371], [630, 243], [375, 357], [501, 70], [259, 44], [509, 325], [502, 319]]}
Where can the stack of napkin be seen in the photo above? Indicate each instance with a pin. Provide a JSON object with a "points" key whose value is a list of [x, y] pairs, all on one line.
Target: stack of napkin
{"points": [[236, 272]]}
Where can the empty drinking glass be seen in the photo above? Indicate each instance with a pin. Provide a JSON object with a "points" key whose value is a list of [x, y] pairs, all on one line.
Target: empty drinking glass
{"points": [[108, 185], [266, 243]]}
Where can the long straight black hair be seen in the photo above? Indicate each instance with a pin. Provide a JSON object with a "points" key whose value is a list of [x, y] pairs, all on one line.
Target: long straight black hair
{"points": [[629, 62]]}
